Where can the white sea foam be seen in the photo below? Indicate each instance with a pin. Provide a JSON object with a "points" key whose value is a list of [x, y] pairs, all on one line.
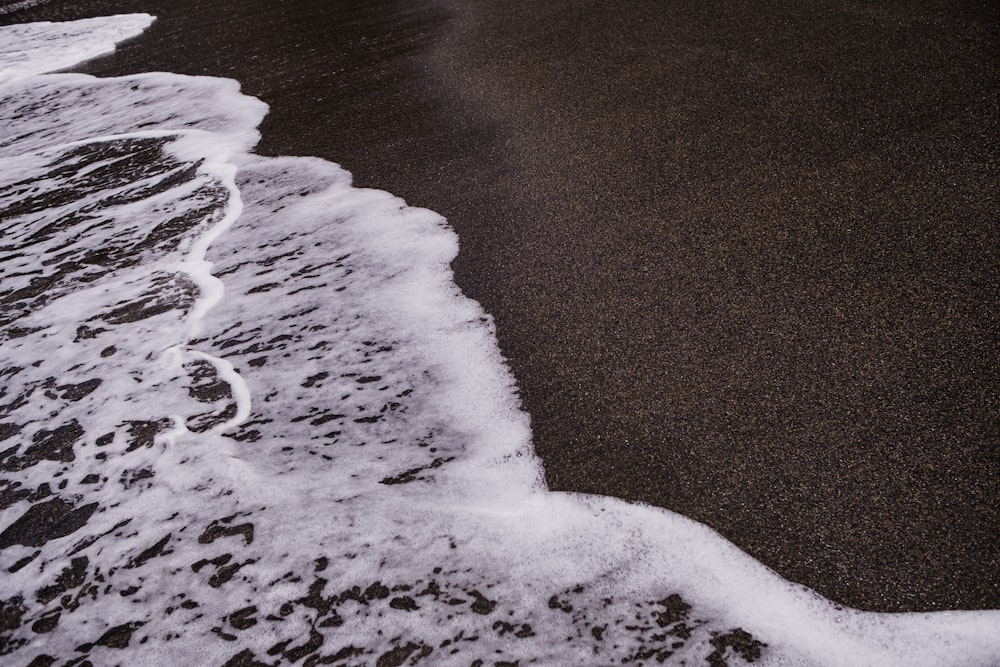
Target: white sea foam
{"points": [[248, 417], [32, 48], [12, 7]]}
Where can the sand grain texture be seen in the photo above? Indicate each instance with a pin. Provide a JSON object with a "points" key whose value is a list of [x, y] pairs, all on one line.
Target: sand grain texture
{"points": [[743, 260]]}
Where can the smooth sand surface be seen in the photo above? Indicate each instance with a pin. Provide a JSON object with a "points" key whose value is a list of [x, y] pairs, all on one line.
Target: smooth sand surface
{"points": [[743, 260]]}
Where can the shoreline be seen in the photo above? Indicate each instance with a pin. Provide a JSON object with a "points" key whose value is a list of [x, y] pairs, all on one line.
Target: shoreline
{"points": [[749, 364]]}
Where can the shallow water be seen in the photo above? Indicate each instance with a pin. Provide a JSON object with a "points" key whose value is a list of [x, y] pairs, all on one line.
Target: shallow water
{"points": [[247, 416]]}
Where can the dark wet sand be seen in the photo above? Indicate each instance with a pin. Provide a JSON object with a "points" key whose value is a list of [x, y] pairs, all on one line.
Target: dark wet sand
{"points": [[743, 260]]}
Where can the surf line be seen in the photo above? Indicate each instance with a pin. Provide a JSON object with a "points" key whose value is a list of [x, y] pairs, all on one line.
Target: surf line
{"points": [[190, 146]]}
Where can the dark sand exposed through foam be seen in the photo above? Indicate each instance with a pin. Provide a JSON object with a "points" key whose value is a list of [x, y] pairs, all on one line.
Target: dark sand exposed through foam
{"points": [[743, 262]]}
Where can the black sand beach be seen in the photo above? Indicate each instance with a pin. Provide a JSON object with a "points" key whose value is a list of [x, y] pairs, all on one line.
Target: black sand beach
{"points": [[743, 260]]}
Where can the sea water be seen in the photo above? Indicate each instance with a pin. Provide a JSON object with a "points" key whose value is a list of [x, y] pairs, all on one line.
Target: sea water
{"points": [[248, 418]]}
